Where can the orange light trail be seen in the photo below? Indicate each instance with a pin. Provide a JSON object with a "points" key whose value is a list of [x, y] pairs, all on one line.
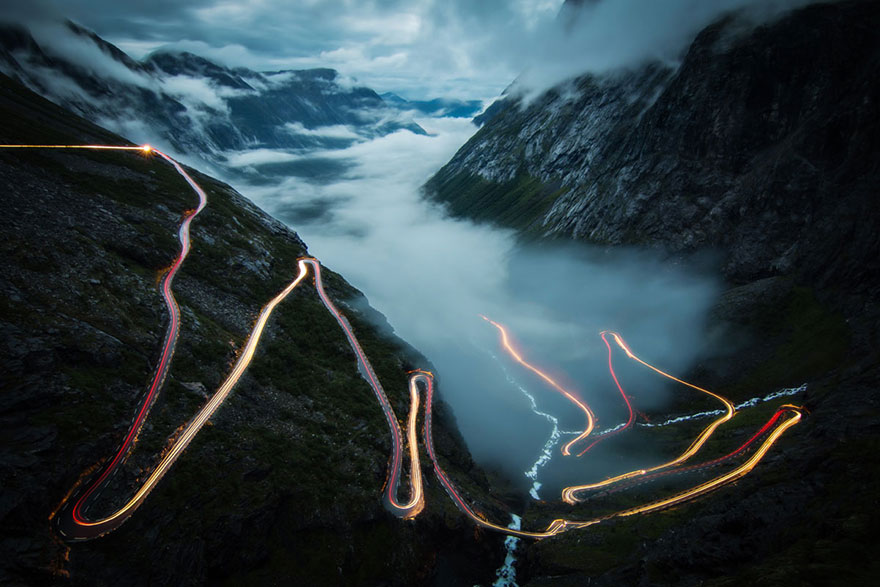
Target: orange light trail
{"points": [[74, 526], [711, 463], [143, 148], [717, 482], [569, 494], [416, 502], [508, 346], [73, 522]]}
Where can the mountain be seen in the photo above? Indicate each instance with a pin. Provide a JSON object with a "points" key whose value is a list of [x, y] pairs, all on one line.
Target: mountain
{"points": [[763, 148], [191, 103], [435, 107], [286, 479], [759, 156]]}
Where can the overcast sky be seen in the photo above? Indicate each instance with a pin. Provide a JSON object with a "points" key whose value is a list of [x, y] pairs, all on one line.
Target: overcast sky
{"points": [[420, 48], [417, 48]]}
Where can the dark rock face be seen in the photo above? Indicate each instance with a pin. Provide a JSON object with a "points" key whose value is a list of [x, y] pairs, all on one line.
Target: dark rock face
{"points": [[284, 484], [763, 146], [763, 143]]}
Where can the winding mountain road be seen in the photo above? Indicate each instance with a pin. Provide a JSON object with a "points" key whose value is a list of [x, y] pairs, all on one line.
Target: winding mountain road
{"points": [[74, 523]]}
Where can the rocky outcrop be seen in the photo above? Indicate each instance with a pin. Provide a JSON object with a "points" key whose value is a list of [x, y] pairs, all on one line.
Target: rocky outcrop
{"points": [[284, 484], [763, 144]]}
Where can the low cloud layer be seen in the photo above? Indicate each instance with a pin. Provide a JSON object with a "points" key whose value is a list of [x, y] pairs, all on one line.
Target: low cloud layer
{"points": [[433, 276]]}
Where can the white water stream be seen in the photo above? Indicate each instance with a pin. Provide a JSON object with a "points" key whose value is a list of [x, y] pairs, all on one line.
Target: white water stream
{"points": [[506, 574]]}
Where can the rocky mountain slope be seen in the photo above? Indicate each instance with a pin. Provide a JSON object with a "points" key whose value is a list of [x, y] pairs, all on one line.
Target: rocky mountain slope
{"points": [[762, 143], [761, 153], [284, 485], [193, 104]]}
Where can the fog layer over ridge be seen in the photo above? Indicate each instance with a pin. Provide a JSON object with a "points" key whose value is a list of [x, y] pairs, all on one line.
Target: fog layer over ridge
{"points": [[604, 35], [432, 277], [418, 48]]}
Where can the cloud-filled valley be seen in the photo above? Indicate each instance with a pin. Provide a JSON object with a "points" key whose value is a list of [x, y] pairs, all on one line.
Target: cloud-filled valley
{"points": [[432, 277], [346, 172]]}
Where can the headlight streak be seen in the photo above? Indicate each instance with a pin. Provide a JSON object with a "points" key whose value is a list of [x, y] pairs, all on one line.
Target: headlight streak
{"points": [[740, 471], [546, 453], [411, 508], [632, 416], [707, 464], [170, 345], [508, 346], [73, 520], [82, 529], [74, 526], [569, 494]]}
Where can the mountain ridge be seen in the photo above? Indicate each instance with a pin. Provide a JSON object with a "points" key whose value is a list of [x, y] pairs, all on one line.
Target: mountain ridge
{"points": [[193, 104], [758, 155], [728, 127], [86, 235]]}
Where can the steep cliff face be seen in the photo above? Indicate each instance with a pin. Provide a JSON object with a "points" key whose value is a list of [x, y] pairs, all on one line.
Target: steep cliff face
{"points": [[762, 146], [763, 143], [284, 484]]}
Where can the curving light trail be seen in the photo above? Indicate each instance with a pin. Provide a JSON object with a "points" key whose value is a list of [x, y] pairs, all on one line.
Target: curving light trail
{"points": [[77, 514], [795, 415], [74, 527], [716, 461], [546, 453], [73, 524], [569, 494], [632, 416], [416, 502], [508, 346]]}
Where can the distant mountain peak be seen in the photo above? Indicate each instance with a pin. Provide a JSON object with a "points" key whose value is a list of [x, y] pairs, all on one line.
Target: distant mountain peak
{"points": [[175, 63], [194, 104]]}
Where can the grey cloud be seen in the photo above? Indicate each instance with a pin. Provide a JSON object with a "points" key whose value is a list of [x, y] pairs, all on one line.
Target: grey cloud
{"points": [[612, 34], [432, 276], [421, 48]]}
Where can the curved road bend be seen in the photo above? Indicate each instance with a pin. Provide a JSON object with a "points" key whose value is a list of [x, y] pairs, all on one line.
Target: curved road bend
{"points": [[75, 514], [632, 416], [591, 420], [710, 463], [73, 522], [416, 502], [569, 494]]}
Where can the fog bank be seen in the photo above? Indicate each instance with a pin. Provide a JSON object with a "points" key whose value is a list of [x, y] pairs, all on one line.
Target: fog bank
{"points": [[433, 276]]}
